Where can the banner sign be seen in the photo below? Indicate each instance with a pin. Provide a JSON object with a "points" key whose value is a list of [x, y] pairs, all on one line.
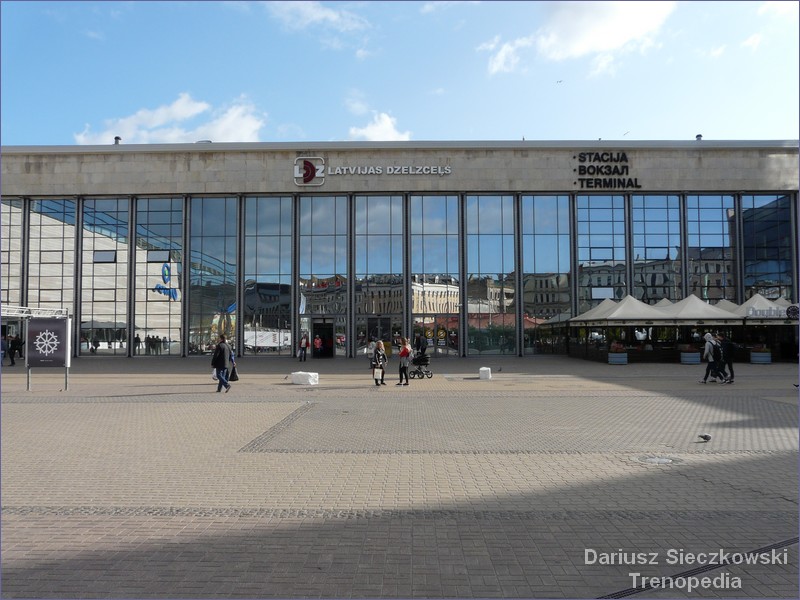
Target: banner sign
{"points": [[48, 343]]}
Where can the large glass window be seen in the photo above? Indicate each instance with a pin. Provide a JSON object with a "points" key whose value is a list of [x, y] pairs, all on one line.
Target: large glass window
{"points": [[436, 302], [711, 234], [158, 268], [104, 272], [767, 235], [545, 264], [212, 298], [379, 270], [490, 275], [656, 223], [601, 250], [52, 254], [322, 279], [11, 251], [267, 290]]}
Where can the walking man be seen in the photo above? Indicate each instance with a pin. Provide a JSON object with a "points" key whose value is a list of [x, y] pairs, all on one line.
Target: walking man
{"points": [[728, 348], [222, 361]]}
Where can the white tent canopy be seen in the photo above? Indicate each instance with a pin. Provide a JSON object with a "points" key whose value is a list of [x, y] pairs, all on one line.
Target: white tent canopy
{"points": [[759, 309], [694, 309], [628, 311]]}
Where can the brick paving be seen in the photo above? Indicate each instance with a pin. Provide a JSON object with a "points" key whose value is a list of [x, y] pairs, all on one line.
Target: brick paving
{"points": [[139, 481]]}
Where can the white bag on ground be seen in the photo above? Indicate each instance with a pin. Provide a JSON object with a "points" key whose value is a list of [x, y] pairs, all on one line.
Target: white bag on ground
{"points": [[305, 378]]}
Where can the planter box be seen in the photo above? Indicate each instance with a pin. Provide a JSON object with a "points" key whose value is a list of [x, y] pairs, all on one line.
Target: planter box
{"points": [[760, 358], [690, 358], [618, 358]]}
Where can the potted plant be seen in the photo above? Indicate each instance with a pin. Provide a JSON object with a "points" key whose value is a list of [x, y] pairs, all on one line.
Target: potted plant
{"points": [[760, 355], [690, 355], [617, 354]]}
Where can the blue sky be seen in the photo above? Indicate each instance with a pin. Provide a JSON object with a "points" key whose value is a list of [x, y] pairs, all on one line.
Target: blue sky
{"points": [[166, 72]]}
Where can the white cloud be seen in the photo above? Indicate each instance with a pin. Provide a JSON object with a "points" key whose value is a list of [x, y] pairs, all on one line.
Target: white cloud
{"points": [[717, 52], [383, 128], [781, 8], [238, 122], [507, 58], [489, 46], [362, 54], [753, 42], [599, 30], [577, 29], [356, 104], [299, 15], [430, 7]]}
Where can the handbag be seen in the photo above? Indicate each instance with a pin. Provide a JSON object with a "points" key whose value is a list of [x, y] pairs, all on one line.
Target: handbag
{"points": [[234, 375], [377, 373], [214, 374]]}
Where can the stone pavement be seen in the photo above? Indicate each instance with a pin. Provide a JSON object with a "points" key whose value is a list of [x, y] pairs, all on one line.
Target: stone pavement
{"points": [[139, 481]]}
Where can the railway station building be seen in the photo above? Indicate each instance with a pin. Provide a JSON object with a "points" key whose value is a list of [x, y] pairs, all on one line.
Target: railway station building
{"points": [[465, 247]]}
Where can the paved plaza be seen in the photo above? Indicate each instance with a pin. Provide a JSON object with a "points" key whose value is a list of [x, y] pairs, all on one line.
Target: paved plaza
{"points": [[556, 478]]}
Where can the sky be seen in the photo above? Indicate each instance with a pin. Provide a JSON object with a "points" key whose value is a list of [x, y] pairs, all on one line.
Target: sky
{"points": [[76, 73]]}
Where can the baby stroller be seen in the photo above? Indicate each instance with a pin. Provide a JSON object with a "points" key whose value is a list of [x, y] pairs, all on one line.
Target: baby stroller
{"points": [[419, 366]]}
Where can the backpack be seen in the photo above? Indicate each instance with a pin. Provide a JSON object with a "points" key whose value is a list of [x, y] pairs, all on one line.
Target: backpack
{"points": [[716, 351]]}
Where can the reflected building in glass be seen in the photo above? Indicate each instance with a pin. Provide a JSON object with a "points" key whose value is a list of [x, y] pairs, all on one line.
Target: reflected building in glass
{"points": [[464, 248]]}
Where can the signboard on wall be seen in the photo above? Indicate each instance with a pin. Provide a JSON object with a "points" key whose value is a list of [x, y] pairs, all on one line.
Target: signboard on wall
{"points": [[47, 343]]}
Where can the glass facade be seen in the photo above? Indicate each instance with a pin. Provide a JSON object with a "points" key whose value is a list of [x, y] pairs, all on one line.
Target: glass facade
{"points": [[767, 246], [213, 269], [158, 272], [51, 253], [104, 276], [546, 259], [656, 227], [711, 236], [602, 267], [378, 290], [460, 274], [11, 251], [323, 284], [267, 294], [490, 278], [435, 273]]}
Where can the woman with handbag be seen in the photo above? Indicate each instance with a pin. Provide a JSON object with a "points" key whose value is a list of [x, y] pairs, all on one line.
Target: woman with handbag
{"points": [[379, 360]]}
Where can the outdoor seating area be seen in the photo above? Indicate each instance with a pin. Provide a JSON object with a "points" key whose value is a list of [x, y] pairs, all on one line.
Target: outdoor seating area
{"points": [[631, 331]]}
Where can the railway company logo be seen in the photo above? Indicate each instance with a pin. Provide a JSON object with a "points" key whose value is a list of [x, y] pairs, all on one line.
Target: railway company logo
{"points": [[309, 171]]}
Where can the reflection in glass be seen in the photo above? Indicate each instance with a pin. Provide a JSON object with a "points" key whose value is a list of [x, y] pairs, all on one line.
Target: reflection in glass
{"points": [[158, 268], [322, 281], [379, 268], [267, 276], [490, 275], [601, 250], [212, 275], [545, 266], [656, 248], [710, 234], [52, 254], [767, 235], [11, 251], [104, 285], [436, 302]]}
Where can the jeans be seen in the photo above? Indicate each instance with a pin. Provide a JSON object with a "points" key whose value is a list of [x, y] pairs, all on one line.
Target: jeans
{"points": [[302, 354], [222, 377]]}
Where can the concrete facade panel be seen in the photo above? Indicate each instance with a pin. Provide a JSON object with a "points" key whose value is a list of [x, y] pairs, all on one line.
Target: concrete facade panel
{"points": [[268, 169]]}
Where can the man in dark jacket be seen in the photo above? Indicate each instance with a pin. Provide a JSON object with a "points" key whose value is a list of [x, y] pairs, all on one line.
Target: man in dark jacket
{"points": [[728, 348], [222, 361]]}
